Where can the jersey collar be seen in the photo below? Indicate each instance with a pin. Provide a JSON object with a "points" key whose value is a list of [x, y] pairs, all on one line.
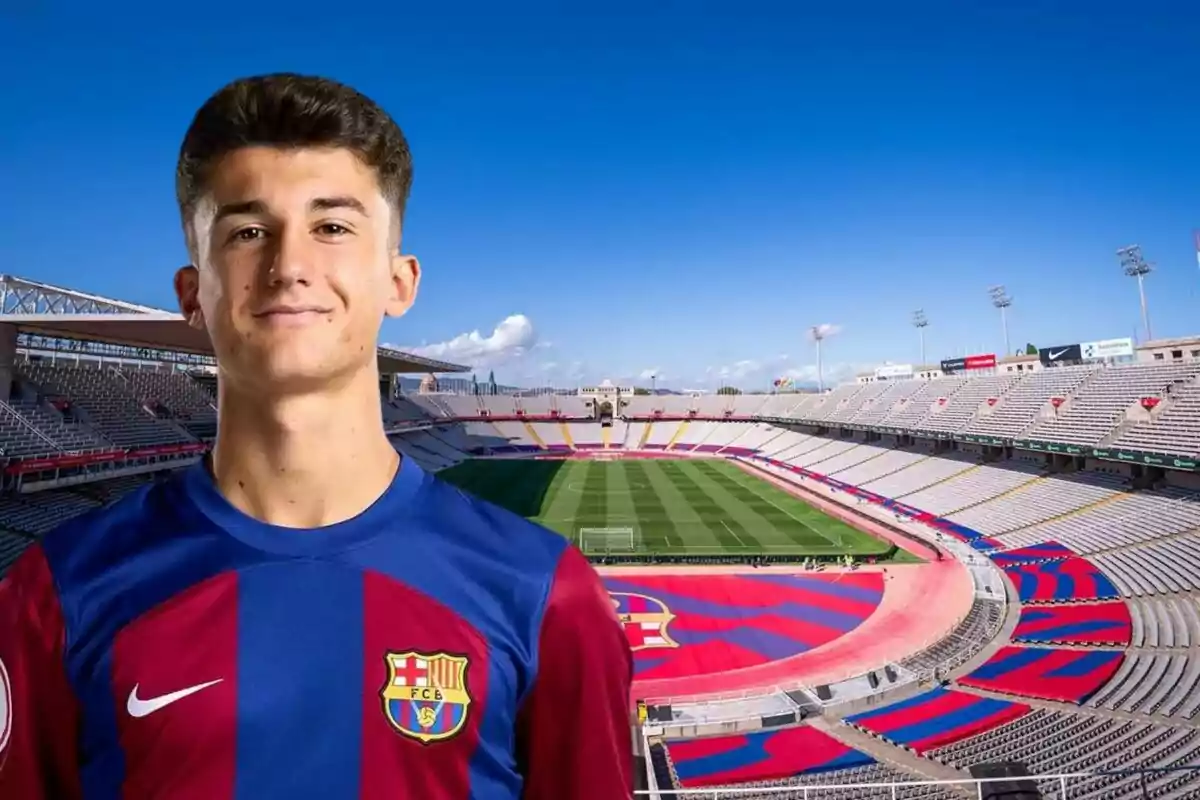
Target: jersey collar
{"points": [[201, 490]]}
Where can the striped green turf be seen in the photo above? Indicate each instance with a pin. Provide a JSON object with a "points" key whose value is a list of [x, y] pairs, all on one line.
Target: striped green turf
{"points": [[674, 506]]}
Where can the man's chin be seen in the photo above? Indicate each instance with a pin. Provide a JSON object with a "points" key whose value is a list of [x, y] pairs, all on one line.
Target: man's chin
{"points": [[289, 376]]}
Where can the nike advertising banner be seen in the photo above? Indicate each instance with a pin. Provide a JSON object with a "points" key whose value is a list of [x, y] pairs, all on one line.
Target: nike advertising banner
{"points": [[1062, 353], [1108, 348], [893, 371]]}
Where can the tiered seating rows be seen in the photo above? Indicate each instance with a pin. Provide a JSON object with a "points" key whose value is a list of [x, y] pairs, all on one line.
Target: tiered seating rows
{"points": [[1093, 623], [1051, 742], [759, 756], [936, 718], [1059, 581], [1068, 676]]}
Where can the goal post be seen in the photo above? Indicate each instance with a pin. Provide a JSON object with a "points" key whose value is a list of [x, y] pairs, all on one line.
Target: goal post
{"points": [[600, 541]]}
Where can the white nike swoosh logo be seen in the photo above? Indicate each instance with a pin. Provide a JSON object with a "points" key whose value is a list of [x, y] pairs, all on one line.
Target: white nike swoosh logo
{"points": [[141, 708], [1054, 355]]}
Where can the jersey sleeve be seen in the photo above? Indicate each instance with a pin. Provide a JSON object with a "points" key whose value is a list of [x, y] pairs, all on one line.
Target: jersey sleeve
{"points": [[574, 730], [38, 714]]}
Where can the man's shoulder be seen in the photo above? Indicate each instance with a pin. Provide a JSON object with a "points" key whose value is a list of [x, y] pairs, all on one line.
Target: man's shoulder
{"points": [[108, 530], [492, 529]]}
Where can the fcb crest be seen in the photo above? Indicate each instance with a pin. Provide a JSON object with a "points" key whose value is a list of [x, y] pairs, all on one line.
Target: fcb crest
{"points": [[645, 620], [425, 697]]}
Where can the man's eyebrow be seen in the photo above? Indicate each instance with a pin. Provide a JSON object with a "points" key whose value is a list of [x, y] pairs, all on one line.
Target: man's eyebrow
{"points": [[341, 201], [234, 209], [258, 207]]}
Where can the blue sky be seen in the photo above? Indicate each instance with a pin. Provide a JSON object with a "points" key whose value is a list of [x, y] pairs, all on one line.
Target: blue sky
{"points": [[679, 187]]}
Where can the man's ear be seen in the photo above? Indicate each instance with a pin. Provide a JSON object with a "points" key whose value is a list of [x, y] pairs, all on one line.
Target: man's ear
{"points": [[187, 292], [406, 277]]}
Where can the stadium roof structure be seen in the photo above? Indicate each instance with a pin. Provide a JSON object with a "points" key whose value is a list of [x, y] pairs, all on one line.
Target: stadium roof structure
{"points": [[52, 312]]}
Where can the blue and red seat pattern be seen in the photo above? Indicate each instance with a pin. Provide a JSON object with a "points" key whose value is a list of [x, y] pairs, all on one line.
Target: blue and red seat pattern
{"points": [[759, 756], [1068, 676], [704, 624], [937, 718], [1044, 551], [1061, 581], [1094, 623]]}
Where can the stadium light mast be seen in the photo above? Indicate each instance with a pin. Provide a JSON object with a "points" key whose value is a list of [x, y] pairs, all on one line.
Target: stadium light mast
{"points": [[1136, 267], [818, 335], [921, 322], [1001, 299]]}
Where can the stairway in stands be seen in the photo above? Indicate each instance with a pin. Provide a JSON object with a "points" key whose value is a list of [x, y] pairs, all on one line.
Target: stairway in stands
{"points": [[678, 433], [533, 434]]}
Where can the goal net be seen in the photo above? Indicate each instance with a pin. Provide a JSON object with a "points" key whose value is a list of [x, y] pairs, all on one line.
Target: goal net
{"points": [[608, 540]]}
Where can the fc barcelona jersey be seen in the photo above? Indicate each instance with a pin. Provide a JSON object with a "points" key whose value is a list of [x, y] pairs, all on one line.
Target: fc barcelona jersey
{"points": [[433, 647]]}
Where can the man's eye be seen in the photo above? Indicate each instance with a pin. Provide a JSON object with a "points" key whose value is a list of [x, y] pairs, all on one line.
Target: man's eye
{"points": [[332, 229], [248, 234]]}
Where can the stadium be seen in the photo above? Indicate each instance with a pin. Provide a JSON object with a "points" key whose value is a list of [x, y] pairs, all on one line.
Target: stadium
{"points": [[977, 578]]}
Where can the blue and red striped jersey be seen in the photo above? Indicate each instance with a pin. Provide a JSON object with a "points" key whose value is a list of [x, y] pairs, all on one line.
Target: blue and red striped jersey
{"points": [[434, 647]]}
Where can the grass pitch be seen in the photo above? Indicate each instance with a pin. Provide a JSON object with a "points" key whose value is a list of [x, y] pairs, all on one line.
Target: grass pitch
{"points": [[674, 507]]}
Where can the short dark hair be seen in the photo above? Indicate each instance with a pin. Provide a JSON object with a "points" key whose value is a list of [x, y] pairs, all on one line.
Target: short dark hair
{"points": [[289, 111]]}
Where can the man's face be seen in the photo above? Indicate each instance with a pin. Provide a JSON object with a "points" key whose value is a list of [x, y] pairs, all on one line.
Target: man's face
{"points": [[296, 266]]}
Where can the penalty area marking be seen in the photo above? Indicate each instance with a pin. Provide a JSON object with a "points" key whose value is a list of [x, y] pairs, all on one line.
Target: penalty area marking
{"points": [[575, 487], [839, 543], [734, 535]]}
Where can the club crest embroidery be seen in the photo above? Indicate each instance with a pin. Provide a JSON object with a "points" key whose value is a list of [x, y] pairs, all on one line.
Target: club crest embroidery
{"points": [[426, 697], [645, 620]]}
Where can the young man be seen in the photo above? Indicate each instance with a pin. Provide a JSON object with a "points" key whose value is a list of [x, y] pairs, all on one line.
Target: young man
{"points": [[306, 615]]}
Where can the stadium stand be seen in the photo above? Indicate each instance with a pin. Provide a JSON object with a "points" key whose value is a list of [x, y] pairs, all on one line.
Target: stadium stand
{"points": [[1176, 431], [759, 756], [1097, 407], [1093, 623], [1065, 580], [936, 718], [1068, 676], [1099, 666]]}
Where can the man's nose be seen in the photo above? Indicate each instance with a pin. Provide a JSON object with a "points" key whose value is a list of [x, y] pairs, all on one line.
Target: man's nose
{"points": [[292, 260]]}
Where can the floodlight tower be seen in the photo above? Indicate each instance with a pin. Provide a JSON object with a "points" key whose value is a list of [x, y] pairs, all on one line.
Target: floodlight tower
{"points": [[921, 322], [818, 335], [1001, 299], [1136, 267]]}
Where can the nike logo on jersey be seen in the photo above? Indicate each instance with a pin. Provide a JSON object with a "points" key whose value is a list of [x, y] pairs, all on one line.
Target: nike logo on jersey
{"points": [[138, 707]]}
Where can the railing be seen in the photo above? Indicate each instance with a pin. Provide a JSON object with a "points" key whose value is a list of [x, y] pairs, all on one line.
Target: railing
{"points": [[1068, 785]]}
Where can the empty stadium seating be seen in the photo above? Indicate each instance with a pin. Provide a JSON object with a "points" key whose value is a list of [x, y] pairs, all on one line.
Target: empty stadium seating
{"points": [[1106, 567], [936, 718]]}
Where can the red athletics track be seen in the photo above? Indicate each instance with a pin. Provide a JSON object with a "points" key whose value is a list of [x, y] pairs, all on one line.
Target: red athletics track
{"points": [[921, 603]]}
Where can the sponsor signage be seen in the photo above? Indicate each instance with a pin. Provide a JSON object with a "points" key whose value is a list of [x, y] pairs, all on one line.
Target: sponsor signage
{"points": [[981, 362], [1150, 459], [1055, 355], [984, 361], [893, 371], [950, 365], [86, 459], [1108, 348]]}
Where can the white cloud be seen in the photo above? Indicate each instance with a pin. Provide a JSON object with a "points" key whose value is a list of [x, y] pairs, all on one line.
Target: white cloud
{"points": [[824, 330], [751, 374], [738, 370], [512, 338]]}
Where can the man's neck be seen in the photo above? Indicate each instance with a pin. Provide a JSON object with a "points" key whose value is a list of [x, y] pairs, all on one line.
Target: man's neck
{"points": [[302, 461]]}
